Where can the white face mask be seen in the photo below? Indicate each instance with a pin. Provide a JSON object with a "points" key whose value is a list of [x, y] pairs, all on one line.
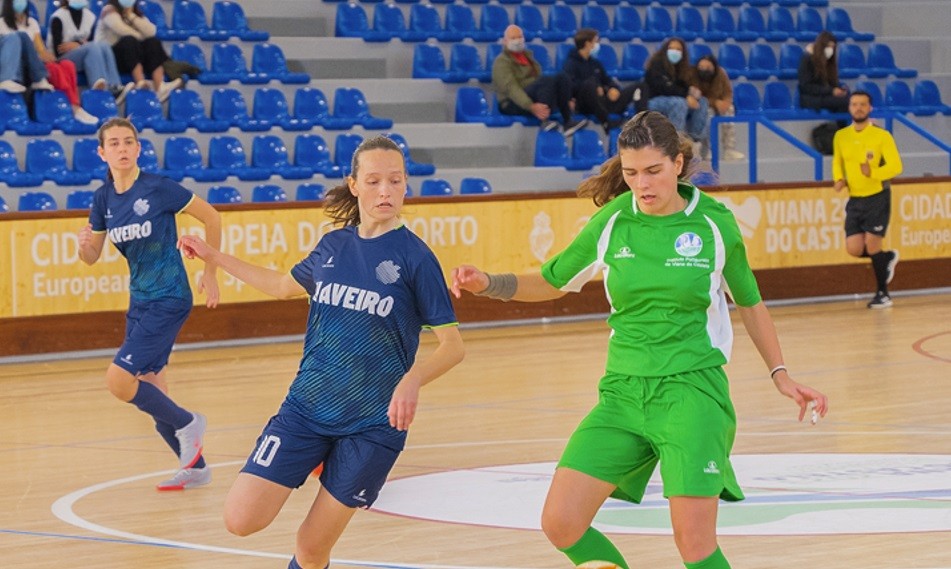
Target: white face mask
{"points": [[515, 45], [829, 51]]}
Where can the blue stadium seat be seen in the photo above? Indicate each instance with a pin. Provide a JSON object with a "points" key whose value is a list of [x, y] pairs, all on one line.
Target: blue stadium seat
{"points": [[189, 17], [143, 108], [36, 201], [732, 60], [10, 173], [657, 24], [851, 61], [928, 99], [268, 151], [413, 168], [587, 150], [185, 105], [424, 23], [344, 147], [689, 23], [762, 62], [351, 21], [465, 63], [529, 18], [474, 186], [720, 24], [4, 208], [192, 54], [154, 12], [183, 158], [746, 99], [79, 199], [808, 24], [780, 23], [790, 55], [53, 108], [751, 22], [562, 23], [881, 62], [472, 106], [227, 60], [778, 102], [551, 150], [148, 158], [228, 17], [435, 187], [627, 22], [228, 104], [840, 24], [349, 102], [268, 193], [562, 51], [460, 22], [608, 58], [271, 106], [632, 62], [543, 57], [47, 158], [309, 191], [872, 88], [101, 104], [698, 50], [492, 52], [226, 153], [493, 20], [388, 23], [223, 195], [311, 151], [311, 104], [898, 97], [596, 18], [14, 116], [428, 62], [86, 158], [268, 59]]}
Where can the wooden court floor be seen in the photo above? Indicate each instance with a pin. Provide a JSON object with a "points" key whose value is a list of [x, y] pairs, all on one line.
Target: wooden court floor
{"points": [[79, 468]]}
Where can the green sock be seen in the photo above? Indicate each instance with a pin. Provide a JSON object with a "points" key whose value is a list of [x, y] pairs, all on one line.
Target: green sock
{"points": [[715, 561], [593, 546]]}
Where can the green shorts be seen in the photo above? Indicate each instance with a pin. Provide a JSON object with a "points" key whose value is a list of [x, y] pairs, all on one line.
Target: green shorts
{"points": [[686, 421]]}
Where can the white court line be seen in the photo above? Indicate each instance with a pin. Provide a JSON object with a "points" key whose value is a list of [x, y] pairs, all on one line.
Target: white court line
{"points": [[63, 509]]}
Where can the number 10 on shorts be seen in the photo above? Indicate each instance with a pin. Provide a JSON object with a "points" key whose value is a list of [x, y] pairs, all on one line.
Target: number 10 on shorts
{"points": [[266, 450]]}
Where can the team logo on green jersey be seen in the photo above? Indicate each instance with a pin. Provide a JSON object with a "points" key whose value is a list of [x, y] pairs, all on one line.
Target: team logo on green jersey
{"points": [[688, 244], [624, 252]]}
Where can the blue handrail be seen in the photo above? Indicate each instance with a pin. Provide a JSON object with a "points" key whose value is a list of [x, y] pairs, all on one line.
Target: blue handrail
{"points": [[890, 117]]}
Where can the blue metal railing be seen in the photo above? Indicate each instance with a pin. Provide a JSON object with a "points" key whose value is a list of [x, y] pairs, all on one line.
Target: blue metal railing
{"points": [[753, 120]]}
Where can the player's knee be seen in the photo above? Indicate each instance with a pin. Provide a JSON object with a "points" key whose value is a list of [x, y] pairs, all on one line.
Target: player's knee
{"points": [[122, 386], [693, 546], [561, 531], [241, 523]]}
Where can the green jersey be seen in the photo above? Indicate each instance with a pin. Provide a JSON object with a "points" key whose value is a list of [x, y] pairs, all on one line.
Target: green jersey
{"points": [[665, 278]]}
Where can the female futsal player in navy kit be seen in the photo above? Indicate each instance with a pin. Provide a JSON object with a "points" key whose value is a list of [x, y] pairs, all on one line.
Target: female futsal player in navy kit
{"points": [[137, 212], [373, 285]]}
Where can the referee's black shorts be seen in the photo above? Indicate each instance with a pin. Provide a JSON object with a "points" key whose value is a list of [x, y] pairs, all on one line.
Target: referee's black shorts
{"points": [[868, 214]]}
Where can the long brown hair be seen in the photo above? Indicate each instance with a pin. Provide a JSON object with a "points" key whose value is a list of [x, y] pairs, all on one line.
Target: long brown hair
{"points": [[112, 123], [826, 69], [647, 129], [341, 205], [683, 70]]}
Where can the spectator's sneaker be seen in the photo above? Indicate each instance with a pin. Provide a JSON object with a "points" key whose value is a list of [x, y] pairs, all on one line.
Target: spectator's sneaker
{"points": [[100, 84], [189, 440], [880, 301], [42, 85], [166, 89], [572, 127], [890, 269], [548, 125], [186, 478], [11, 86], [81, 115], [120, 92], [144, 85], [730, 155]]}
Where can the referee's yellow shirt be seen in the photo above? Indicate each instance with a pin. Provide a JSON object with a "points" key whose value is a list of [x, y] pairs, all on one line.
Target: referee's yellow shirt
{"points": [[851, 148]]}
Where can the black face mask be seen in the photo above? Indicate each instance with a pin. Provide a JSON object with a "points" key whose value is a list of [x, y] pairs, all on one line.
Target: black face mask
{"points": [[706, 75]]}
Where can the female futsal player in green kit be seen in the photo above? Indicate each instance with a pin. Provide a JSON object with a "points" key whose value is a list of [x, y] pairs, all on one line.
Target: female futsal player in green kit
{"points": [[668, 254]]}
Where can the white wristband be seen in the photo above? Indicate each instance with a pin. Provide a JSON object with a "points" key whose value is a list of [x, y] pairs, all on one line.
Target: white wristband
{"points": [[772, 372]]}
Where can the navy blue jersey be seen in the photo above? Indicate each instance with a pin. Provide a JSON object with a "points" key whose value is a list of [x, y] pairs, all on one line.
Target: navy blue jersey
{"points": [[369, 300], [141, 224]]}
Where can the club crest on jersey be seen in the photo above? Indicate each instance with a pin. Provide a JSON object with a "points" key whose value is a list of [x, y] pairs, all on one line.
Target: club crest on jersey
{"points": [[141, 206], [624, 252], [388, 272], [688, 244]]}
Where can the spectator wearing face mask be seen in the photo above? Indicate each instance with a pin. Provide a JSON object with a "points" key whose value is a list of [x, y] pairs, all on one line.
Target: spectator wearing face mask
{"points": [[70, 37], [673, 89], [44, 71], [19, 63], [523, 90], [715, 85], [595, 92], [819, 86]]}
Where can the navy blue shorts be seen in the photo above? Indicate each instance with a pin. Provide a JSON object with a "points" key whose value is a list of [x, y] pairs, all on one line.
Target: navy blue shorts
{"points": [[150, 331], [355, 465]]}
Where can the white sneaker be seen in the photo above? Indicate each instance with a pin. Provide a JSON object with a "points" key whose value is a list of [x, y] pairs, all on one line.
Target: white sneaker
{"points": [[166, 89], [121, 93], [186, 478], [144, 85], [81, 115], [731, 154], [11, 86], [100, 84], [42, 85], [189, 441]]}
